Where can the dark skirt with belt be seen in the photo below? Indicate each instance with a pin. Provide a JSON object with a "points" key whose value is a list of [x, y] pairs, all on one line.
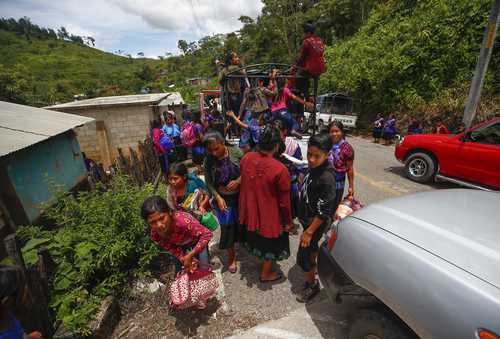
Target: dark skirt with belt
{"points": [[274, 249], [231, 231]]}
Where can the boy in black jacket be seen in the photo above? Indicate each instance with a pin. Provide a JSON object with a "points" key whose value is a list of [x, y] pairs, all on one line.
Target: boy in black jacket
{"points": [[317, 199]]}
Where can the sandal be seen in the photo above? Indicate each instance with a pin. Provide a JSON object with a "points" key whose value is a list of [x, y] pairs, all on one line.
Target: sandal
{"points": [[278, 277], [233, 268]]}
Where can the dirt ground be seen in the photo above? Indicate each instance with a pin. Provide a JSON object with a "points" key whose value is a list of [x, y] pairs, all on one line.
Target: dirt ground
{"points": [[147, 315]]}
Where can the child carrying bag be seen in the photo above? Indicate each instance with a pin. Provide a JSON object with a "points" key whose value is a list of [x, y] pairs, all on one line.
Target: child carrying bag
{"points": [[192, 288]]}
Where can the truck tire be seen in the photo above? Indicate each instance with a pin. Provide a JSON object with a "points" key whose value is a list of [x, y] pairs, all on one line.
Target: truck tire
{"points": [[378, 324], [420, 167]]}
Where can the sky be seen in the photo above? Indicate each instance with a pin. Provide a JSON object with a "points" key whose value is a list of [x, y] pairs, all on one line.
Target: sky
{"points": [[152, 27]]}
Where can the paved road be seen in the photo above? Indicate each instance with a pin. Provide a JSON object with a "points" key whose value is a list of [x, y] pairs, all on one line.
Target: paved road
{"points": [[249, 309], [378, 176]]}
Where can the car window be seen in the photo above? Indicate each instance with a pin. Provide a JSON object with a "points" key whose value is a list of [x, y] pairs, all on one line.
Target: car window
{"points": [[489, 134]]}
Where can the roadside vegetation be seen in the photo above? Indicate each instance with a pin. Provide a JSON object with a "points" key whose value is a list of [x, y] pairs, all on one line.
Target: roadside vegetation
{"points": [[98, 242]]}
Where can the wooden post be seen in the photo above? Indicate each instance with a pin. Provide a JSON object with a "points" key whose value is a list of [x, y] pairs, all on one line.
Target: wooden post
{"points": [[102, 138], [13, 248]]}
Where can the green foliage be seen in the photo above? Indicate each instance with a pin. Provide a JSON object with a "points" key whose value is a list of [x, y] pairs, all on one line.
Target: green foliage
{"points": [[101, 242], [409, 54]]}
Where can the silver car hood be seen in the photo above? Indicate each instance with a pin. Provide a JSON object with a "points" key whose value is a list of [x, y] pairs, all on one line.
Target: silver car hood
{"points": [[462, 226]]}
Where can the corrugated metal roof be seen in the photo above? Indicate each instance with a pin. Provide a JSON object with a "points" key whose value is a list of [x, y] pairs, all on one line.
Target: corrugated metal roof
{"points": [[22, 126], [117, 100]]}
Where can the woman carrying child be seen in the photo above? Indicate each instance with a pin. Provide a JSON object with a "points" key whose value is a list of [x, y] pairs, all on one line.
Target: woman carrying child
{"points": [[317, 205], [222, 175]]}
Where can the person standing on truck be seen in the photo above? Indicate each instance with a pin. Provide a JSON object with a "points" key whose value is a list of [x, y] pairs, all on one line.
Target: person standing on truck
{"points": [[233, 89], [311, 59]]}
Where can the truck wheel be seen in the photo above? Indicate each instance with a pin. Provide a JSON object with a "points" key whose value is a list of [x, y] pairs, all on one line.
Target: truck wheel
{"points": [[420, 167], [373, 324]]}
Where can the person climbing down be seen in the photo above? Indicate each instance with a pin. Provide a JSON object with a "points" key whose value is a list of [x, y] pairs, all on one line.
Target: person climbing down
{"points": [[279, 110]]}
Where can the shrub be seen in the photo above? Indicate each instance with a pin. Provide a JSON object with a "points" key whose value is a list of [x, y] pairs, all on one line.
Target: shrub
{"points": [[99, 244]]}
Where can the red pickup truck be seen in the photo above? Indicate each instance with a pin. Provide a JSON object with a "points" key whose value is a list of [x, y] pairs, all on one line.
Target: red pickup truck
{"points": [[471, 158]]}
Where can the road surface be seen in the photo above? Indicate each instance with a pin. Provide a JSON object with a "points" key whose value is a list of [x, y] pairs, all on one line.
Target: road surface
{"points": [[246, 308]]}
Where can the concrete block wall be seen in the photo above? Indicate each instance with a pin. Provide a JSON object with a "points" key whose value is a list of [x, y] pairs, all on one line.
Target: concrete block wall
{"points": [[125, 127]]}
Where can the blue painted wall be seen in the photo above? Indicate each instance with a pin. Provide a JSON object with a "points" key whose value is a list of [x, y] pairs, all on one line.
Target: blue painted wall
{"points": [[31, 170]]}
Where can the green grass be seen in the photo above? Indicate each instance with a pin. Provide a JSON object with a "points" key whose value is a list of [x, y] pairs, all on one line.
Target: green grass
{"points": [[47, 71]]}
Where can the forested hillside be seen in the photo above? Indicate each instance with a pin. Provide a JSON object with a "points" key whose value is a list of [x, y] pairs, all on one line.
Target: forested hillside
{"points": [[410, 57], [417, 58]]}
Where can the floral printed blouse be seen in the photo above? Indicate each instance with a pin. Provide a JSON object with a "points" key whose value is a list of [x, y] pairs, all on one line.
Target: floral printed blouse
{"points": [[187, 233]]}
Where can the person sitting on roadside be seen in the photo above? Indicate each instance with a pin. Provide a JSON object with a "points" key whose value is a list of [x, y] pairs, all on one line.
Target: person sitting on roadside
{"points": [[440, 128], [13, 293], [415, 127], [378, 126], [390, 130], [177, 232]]}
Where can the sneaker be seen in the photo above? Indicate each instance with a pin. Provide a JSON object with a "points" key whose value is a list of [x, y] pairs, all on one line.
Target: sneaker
{"points": [[309, 291]]}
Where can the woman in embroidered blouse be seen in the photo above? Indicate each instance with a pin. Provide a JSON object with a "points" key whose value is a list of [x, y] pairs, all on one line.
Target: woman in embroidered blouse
{"points": [[222, 175], [342, 160], [177, 232]]}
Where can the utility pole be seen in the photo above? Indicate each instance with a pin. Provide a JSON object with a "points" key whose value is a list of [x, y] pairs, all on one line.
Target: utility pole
{"points": [[482, 64]]}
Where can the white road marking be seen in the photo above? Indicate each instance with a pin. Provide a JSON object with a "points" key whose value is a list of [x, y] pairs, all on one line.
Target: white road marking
{"points": [[278, 333]]}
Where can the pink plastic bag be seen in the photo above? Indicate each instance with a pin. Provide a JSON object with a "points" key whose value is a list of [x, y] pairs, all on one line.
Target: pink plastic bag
{"points": [[191, 289]]}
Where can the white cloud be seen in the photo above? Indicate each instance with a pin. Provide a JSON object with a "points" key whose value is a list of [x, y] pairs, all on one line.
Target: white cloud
{"points": [[202, 16], [151, 26]]}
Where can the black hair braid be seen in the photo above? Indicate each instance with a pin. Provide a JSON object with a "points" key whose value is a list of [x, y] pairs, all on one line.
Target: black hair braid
{"points": [[269, 138]]}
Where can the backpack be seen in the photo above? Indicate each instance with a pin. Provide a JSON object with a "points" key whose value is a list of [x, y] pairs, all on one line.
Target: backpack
{"points": [[314, 64], [188, 134], [166, 142]]}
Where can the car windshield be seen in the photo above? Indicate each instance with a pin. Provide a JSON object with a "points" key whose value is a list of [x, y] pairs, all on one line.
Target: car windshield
{"points": [[487, 134]]}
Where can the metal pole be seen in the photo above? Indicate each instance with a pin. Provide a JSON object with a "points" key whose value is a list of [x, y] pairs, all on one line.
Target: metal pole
{"points": [[482, 64]]}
